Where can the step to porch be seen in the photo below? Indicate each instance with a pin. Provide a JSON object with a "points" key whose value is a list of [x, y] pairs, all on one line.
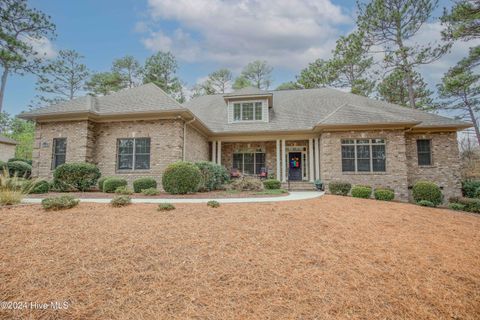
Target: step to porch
{"points": [[299, 186]]}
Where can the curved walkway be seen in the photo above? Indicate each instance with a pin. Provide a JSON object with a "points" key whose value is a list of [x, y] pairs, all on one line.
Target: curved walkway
{"points": [[294, 195]]}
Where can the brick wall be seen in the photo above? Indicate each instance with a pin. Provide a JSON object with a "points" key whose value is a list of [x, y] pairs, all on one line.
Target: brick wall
{"points": [[7, 151], [197, 148], [445, 168], [228, 148]]}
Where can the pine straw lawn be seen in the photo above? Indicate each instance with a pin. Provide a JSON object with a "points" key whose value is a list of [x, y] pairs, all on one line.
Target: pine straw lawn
{"points": [[328, 258]]}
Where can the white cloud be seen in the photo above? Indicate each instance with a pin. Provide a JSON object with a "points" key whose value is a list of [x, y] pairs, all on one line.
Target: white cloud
{"points": [[43, 47], [287, 33]]}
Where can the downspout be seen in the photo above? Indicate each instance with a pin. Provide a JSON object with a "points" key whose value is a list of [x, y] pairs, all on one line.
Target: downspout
{"points": [[185, 123]]}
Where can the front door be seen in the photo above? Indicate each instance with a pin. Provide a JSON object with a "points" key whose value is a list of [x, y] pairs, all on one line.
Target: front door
{"points": [[294, 166]]}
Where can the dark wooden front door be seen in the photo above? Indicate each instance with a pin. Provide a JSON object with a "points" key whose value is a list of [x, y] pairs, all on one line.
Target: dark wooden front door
{"points": [[295, 166]]}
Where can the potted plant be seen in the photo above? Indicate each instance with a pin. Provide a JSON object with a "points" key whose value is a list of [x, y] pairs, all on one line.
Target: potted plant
{"points": [[318, 184]]}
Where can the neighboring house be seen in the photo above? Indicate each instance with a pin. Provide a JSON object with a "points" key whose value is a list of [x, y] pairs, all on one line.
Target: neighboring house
{"points": [[7, 148], [294, 135]]}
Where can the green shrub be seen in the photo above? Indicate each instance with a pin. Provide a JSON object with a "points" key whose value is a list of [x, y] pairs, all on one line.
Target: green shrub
{"points": [[181, 178], [456, 206], [101, 181], [247, 184], [150, 192], [213, 204], [111, 184], [339, 188], [477, 193], [124, 190], [40, 186], [59, 203], [426, 203], [144, 183], [166, 207], [426, 190], [79, 176], [363, 192], [272, 184], [470, 204], [3, 165], [121, 201], [470, 187], [20, 159], [213, 176], [19, 168], [384, 194]]}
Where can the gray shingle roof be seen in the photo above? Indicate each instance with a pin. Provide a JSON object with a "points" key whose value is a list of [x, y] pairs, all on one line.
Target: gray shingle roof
{"points": [[145, 98], [7, 140], [307, 108], [248, 91]]}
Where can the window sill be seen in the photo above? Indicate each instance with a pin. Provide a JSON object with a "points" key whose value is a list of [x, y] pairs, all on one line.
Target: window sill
{"points": [[364, 173], [427, 167], [247, 121], [132, 171]]}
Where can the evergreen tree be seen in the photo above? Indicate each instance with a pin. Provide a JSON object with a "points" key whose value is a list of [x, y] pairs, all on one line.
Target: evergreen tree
{"points": [[318, 74], [161, 69], [258, 73]]}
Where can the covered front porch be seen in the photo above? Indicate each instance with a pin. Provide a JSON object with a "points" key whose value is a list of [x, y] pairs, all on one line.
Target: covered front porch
{"points": [[294, 158]]}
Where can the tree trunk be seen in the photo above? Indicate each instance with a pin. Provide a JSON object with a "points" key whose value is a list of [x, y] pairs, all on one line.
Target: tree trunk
{"points": [[3, 84], [475, 122], [411, 92]]}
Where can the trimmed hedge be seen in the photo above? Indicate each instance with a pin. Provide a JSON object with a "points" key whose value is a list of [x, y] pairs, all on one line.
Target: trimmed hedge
{"points": [[144, 183], [181, 177], [111, 184], [20, 168], [79, 176], [384, 194], [363, 192], [426, 203], [59, 203], [429, 191], [121, 201], [150, 192], [470, 204], [213, 175], [20, 159], [40, 186], [470, 187], [339, 188], [101, 181], [124, 190], [456, 206], [272, 184]]}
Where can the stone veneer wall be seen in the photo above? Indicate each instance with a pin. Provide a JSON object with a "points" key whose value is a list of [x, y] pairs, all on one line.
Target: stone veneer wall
{"points": [[228, 148], [445, 168], [197, 147], [79, 138], [395, 176]]}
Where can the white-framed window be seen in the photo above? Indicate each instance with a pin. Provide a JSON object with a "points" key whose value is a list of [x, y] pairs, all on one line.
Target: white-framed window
{"points": [[248, 111], [363, 155], [424, 152], [133, 154], [249, 162]]}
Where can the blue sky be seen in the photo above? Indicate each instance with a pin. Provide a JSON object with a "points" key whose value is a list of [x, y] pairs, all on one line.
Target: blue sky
{"points": [[205, 35]]}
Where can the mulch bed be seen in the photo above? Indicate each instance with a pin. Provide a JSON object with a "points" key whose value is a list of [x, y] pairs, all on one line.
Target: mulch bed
{"points": [[326, 258], [163, 195]]}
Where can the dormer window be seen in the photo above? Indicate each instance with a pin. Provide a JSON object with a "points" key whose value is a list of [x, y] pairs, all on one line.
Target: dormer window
{"points": [[248, 111]]}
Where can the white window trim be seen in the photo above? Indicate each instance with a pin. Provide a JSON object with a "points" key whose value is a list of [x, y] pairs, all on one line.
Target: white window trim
{"points": [[370, 144], [232, 106], [117, 169], [254, 159]]}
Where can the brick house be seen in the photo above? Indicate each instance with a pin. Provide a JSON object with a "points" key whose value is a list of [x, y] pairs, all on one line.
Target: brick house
{"points": [[295, 135]]}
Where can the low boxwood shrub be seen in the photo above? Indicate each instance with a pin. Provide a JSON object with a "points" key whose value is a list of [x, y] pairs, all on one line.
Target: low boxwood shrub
{"points": [[166, 207], [470, 204], [150, 192], [3, 165], [121, 201], [19, 168], [213, 204], [144, 183], [425, 203], [429, 191], [101, 181], [59, 203], [272, 184], [78, 175], [470, 187], [384, 194], [181, 177], [40, 186], [20, 159], [246, 184], [456, 206], [111, 184], [124, 190], [361, 192], [339, 188], [213, 176]]}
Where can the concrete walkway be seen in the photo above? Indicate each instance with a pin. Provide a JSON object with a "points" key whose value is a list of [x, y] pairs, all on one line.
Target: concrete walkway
{"points": [[294, 195]]}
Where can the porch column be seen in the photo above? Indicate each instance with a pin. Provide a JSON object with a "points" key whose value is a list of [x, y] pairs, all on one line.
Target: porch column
{"points": [[214, 151], [317, 158], [278, 160], [310, 159], [219, 152], [284, 167]]}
